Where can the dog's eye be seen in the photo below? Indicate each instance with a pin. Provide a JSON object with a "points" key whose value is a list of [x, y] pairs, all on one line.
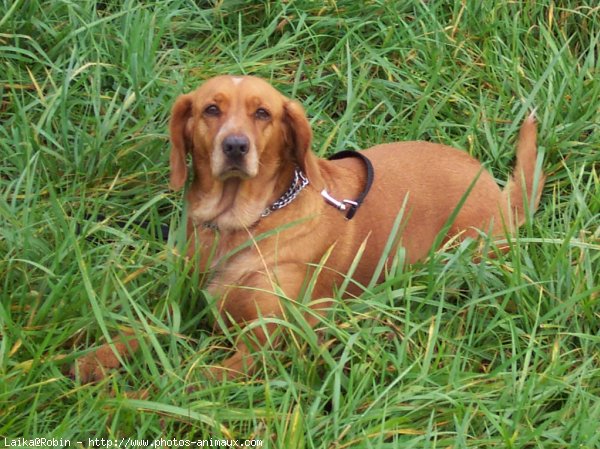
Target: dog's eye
{"points": [[212, 110], [262, 114]]}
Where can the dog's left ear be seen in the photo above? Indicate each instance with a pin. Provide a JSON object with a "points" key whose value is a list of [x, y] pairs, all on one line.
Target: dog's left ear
{"points": [[301, 137], [180, 128]]}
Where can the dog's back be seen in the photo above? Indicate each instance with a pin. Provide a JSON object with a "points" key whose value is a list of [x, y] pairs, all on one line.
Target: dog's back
{"points": [[433, 186]]}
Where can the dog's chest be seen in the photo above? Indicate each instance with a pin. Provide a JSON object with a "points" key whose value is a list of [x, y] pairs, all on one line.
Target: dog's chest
{"points": [[227, 256]]}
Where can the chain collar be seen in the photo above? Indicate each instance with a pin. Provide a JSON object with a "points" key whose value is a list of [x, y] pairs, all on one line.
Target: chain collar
{"points": [[300, 181]]}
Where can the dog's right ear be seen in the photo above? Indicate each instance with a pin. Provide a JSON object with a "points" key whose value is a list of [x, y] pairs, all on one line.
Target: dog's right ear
{"points": [[298, 127], [180, 129]]}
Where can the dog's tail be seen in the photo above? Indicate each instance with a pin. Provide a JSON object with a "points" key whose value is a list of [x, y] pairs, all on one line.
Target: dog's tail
{"points": [[524, 189]]}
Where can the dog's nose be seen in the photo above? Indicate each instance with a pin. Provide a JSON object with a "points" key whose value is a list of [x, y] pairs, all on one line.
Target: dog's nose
{"points": [[236, 145]]}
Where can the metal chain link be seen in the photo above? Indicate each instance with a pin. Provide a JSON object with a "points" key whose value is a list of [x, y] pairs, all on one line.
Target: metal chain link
{"points": [[300, 181]]}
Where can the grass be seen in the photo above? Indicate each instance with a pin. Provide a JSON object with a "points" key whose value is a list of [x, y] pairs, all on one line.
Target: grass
{"points": [[448, 353]]}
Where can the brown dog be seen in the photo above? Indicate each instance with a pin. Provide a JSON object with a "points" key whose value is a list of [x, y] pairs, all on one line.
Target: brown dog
{"points": [[265, 214]]}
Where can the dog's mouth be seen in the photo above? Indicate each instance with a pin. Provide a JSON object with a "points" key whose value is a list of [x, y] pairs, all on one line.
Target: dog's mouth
{"points": [[236, 168], [234, 172]]}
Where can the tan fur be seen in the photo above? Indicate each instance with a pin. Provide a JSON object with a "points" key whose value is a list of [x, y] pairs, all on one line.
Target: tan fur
{"points": [[430, 178]]}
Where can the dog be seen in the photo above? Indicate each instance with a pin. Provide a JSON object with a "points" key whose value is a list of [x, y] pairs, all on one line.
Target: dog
{"points": [[265, 213]]}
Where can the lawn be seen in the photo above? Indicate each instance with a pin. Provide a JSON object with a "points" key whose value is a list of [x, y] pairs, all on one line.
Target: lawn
{"points": [[448, 353]]}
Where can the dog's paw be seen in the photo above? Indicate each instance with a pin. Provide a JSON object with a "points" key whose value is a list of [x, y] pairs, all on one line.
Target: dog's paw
{"points": [[87, 370], [94, 367]]}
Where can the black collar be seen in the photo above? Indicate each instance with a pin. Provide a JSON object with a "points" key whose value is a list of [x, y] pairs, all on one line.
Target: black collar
{"points": [[351, 206]]}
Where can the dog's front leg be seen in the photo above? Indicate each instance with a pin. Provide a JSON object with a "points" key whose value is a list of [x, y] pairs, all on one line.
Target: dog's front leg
{"points": [[243, 361], [254, 307]]}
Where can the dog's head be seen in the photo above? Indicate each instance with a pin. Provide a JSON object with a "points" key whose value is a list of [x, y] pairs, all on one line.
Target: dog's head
{"points": [[238, 127]]}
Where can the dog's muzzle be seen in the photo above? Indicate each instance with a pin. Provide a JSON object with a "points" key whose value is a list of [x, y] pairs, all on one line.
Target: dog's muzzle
{"points": [[236, 158]]}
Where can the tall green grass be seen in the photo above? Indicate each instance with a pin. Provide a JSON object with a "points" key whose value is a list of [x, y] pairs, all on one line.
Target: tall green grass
{"points": [[448, 353]]}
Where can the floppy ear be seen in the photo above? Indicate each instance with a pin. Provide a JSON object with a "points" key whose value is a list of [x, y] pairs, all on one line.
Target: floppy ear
{"points": [[180, 131], [301, 136]]}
